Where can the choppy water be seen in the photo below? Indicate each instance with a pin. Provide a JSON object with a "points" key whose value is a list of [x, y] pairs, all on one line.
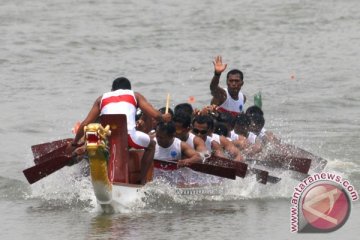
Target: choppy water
{"points": [[56, 57]]}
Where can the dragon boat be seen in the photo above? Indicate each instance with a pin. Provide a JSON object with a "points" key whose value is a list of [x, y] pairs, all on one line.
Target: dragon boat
{"points": [[115, 169]]}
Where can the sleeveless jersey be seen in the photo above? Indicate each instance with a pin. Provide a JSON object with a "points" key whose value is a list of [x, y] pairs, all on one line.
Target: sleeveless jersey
{"points": [[120, 102], [232, 106], [215, 137], [233, 136], [251, 137], [208, 143], [172, 153], [190, 140]]}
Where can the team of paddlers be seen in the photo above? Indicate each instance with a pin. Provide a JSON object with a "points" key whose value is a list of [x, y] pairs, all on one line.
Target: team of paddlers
{"points": [[186, 135]]}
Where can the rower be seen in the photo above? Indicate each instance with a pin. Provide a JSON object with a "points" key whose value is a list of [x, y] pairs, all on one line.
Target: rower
{"points": [[264, 135], [183, 126], [229, 99], [203, 126], [122, 100], [170, 148]]}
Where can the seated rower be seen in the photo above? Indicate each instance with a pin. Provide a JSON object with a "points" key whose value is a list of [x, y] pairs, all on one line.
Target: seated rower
{"points": [[170, 148], [204, 124], [256, 144], [201, 125], [183, 126], [265, 135]]}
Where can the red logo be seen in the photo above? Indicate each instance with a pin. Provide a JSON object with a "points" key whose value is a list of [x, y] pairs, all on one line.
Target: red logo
{"points": [[325, 208]]}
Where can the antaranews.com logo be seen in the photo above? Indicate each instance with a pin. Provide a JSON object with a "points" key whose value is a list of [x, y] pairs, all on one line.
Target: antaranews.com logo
{"points": [[321, 203]]}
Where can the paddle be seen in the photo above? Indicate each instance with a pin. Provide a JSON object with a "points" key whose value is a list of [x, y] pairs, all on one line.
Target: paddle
{"points": [[39, 150], [167, 103], [218, 171], [43, 169], [55, 153], [241, 169], [301, 165]]}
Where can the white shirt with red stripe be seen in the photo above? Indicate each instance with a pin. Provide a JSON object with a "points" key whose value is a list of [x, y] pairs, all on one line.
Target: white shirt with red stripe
{"points": [[120, 102], [232, 106]]}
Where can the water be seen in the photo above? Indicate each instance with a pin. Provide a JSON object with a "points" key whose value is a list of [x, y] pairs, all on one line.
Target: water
{"points": [[57, 57]]}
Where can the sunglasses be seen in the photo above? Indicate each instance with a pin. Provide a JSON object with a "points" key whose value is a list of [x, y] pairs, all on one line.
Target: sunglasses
{"points": [[197, 131]]}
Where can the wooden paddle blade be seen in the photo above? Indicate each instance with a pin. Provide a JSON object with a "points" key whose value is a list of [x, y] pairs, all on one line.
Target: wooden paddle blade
{"points": [[261, 175], [240, 167], [285, 162], [293, 163], [37, 172], [218, 171], [45, 148], [223, 172], [273, 179], [61, 151]]}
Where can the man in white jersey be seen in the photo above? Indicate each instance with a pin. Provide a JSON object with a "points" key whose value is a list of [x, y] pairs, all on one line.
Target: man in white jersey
{"points": [[170, 148], [229, 99], [203, 126], [183, 126], [122, 100]]}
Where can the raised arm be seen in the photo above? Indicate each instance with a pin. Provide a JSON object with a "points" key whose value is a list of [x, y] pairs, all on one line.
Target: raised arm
{"points": [[148, 109], [218, 93]]}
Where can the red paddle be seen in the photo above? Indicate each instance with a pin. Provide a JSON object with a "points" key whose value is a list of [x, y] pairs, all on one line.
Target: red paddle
{"points": [[43, 169]]}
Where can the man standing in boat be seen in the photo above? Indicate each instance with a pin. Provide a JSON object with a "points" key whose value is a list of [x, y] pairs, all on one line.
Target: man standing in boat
{"points": [[229, 99], [122, 100]]}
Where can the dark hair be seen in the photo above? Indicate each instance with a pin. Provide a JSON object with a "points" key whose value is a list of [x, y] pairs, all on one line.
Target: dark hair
{"points": [[182, 118], [204, 119], [243, 120], [258, 120], [163, 109], [185, 108], [121, 83], [221, 129], [235, 71], [252, 110], [226, 117], [166, 127]]}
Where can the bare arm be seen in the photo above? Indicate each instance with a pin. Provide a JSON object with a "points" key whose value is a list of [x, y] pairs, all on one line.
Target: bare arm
{"points": [[231, 149], [218, 93], [199, 145], [148, 109], [217, 150], [191, 155], [91, 117]]}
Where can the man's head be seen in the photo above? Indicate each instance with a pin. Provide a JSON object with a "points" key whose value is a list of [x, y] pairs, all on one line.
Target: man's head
{"points": [[252, 110], [234, 81], [184, 108], [182, 124], [165, 133], [121, 83], [257, 123], [226, 118], [242, 124], [202, 125]]}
